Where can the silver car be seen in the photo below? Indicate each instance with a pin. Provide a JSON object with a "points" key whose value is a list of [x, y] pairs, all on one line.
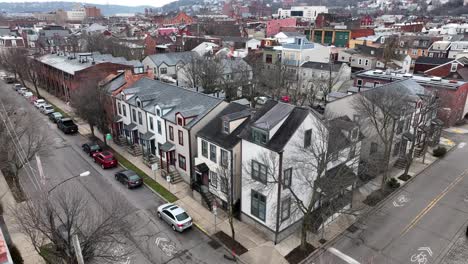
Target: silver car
{"points": [[175, 216], [47, 109]]}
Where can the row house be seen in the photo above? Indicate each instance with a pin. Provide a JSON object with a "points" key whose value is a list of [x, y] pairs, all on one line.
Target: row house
{"points": [[454, 70], [417, 122], [457, 47], [423, 64], [275, 136], [439, 49], [62, 73], [452, 94], [162, 120], [415, 46], [218, 165], [167, 63]]}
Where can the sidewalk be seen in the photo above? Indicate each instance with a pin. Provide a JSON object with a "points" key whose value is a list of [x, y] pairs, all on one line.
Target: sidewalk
{"points": [[22, 242]]}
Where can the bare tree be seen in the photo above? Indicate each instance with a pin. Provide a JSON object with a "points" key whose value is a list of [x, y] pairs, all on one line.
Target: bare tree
{"points": [[379, 109], [53, 219], [319, 176], [227, 189], [14, 61], [89, 102], [427, 106], [237, 78], [191, 71], [276, 79], [20, 139], [210, 73], [389, 49]]}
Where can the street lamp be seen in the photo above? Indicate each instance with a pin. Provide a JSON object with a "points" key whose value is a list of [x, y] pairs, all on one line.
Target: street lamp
{"points": [[83, 174]]}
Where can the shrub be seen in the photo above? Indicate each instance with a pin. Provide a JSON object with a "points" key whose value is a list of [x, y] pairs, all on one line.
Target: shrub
{"points": [[393, 183], [15, 255], [439, 152]]}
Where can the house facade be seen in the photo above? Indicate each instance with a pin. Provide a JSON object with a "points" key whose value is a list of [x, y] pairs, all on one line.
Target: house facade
{"points": [[270, 143], [218, 165], [160, 122], [167, 63], [294, 54]]}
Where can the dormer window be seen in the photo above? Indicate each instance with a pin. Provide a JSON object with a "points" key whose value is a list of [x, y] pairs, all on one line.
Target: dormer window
{"points": [[139, 103], [259, 136], [226, 127], [158, 112], [180, 121]]}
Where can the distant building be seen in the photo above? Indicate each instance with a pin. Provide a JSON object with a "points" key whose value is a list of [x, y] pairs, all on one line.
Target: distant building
{"points": [[92, 11], [306, 12], [274, 26]]}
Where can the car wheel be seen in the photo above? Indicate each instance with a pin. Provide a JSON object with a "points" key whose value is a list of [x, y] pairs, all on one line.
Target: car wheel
{"points": [[102, 165], [128, 186], [173, 228], [159, 214], [115, 176]]}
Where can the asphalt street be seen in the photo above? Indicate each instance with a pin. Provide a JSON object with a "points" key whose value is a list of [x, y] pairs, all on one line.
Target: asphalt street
{"points": [[65, 159], [423, 223]]}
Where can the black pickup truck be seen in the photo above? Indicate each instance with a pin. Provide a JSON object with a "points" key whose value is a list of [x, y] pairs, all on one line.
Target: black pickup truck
{"points": [[67, 125]]}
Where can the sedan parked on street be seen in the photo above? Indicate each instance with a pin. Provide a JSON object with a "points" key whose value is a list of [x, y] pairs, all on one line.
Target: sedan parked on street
{"points": [[106, 159], [175, 216], [28, 95], [22, 90], [39, 102], [55, 116], [129, 178], [47, 109], [91, 148]]}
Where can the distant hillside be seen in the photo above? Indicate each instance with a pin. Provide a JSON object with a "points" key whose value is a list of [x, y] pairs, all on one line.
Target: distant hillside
{"points": [[27, 7]]}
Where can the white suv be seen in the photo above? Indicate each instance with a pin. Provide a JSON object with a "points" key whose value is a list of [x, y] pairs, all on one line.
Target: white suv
{"points": [[47, 109], [39, 102]]}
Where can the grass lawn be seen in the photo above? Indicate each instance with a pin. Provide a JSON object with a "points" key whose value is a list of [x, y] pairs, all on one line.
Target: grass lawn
{"points": [[148, 180]]}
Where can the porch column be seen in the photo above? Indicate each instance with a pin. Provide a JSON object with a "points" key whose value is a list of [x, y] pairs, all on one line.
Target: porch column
{"points": [[167, 161]]}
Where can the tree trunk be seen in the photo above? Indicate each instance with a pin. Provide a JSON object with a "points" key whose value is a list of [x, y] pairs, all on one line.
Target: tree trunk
{"points": [[304, 230], [387, 154], [37, 89], [231, 223], [409, 156], [92, 129]]}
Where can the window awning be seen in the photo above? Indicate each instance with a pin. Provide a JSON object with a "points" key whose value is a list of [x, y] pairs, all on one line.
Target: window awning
{"points": [[202, 167], [130, 127], [147, 136], [117, 119], [168, 146]]}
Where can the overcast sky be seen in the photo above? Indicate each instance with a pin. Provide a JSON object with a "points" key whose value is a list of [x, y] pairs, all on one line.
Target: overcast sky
{"points": [[156, 3]]}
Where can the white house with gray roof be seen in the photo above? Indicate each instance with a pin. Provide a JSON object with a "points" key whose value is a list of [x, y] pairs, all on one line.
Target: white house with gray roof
{"points": [[163, 120], [276, 136], [167, 63]]}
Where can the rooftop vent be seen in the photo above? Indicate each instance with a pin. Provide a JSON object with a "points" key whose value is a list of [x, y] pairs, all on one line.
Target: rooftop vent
{"points": [[408, 75], [378, 71], [437, 79]]}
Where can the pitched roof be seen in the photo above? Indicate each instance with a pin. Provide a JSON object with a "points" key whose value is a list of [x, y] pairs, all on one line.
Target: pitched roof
{"points": [[213, 130], [321, 66], [432, 61], [171, 58], [294, 119], [171, 98]]}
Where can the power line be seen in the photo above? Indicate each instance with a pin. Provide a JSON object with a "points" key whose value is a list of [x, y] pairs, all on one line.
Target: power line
{"points": [[18, 148]]}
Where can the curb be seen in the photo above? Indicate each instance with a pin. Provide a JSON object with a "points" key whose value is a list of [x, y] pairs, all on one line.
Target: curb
{"points": [[379, 205]]}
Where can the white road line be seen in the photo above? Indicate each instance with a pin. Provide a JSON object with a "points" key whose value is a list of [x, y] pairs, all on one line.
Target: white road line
{"points": [[461, 145], [342, 256]]}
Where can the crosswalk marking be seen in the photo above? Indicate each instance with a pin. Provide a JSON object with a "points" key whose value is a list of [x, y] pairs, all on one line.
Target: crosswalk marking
{"points": [[342, 256]]}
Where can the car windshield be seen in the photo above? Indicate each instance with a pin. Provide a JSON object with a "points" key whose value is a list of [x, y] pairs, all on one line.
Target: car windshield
{"points": [[182, 216], [49, 108], [57, 114], [94, 147], [68, 123], [134, 177]]}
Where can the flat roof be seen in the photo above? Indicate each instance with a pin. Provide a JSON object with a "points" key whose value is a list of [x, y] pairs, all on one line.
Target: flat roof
{"points": [[450, 84]]}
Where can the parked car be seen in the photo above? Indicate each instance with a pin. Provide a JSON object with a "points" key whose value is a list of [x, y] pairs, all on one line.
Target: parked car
{"points": [[91, 147], [47, 109], [28, 94], [22, 90], [175, 216], [67, 126], [16, 86], [129, 178], [55, 116], [39, 102], [32, 99], [10, 79], [106, 159]]}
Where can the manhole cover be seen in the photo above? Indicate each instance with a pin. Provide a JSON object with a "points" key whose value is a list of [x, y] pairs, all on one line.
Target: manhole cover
{"points": [[214, 244]]}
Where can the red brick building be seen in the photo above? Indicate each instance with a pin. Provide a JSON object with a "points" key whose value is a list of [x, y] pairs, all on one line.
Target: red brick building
{"points": [[453, 70], [63, 73], [92, 11], [452, 94], [114, 85], [274, 26]]}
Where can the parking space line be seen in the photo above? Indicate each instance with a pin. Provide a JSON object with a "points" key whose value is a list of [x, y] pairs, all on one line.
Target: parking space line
{"points": [[342, 256]]}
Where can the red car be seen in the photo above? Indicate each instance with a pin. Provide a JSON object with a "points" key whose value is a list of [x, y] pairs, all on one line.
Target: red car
{"points": [[106, 159]]}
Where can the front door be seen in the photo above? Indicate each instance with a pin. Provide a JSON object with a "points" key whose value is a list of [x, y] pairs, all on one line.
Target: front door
{"points": [[205, 180], [135, 136], [153, 147], [172, 159]]}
